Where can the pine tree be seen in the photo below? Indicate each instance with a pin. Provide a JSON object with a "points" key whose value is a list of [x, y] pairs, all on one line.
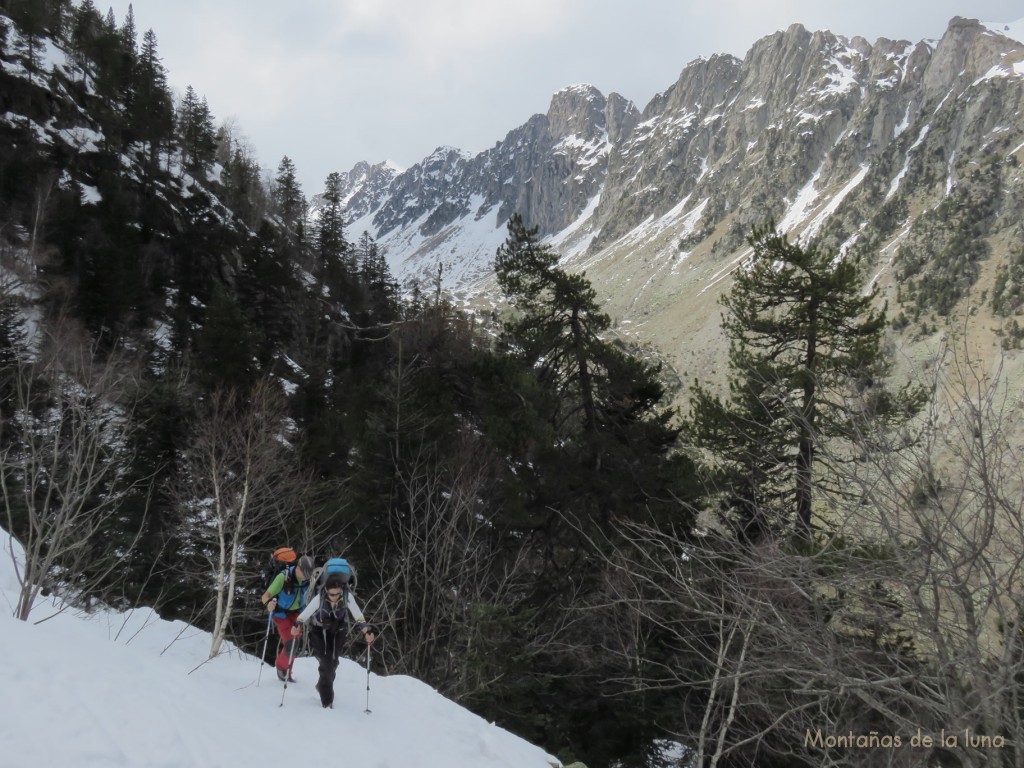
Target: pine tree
{"points": [[330, 235], [267, 288], [115, 81], [85, 30], [806, 363], [129, 35], [151, 111], [331, 247], [558, 323], [205, 136], [290, 202], [607, 407], [33, 20], [243, 190], [197, 133], [225, 346], [607, 454], [186, 115], [381, 288]]}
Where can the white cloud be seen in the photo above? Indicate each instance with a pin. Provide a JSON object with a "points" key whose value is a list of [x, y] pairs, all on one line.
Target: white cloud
{"points": [[262, 84], [437, 34]]}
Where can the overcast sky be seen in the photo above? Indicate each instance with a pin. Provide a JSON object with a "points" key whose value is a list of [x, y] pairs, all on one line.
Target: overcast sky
{"points": [[333, 82]]}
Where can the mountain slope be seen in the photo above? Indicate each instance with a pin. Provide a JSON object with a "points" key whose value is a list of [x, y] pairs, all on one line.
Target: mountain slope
{"points": [[830, 137]]}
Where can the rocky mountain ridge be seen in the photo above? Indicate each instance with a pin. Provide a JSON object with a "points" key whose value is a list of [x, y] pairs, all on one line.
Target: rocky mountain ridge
{"points": [[835, 138]]}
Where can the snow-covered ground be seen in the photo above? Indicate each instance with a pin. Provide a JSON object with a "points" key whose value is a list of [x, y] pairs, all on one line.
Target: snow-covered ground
{"points": [[134, 690]]}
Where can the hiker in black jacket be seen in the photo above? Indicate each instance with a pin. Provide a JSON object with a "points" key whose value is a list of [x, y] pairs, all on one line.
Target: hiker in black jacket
{"points": [[327, 616]]}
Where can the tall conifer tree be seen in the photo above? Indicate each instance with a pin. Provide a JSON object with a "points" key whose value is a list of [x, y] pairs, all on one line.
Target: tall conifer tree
{"points": [[196, 133], [331, 247], [605, 404], [152, 112], [290, 202], [807, 364]]}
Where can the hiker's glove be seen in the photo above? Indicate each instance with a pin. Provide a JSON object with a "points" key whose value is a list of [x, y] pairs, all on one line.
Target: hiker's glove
{"points": [[271, 604], [296, 630], [369, 635]]}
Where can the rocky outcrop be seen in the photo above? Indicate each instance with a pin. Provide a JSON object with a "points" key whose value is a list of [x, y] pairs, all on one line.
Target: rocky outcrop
{"points": [[549, 170], [365, 187]]}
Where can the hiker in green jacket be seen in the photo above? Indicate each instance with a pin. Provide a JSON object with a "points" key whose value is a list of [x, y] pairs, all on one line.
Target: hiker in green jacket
{"points": [[285, 598]]}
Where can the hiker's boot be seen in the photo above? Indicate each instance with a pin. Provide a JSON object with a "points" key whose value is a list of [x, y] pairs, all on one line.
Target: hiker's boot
{"points": [[326, 697]]}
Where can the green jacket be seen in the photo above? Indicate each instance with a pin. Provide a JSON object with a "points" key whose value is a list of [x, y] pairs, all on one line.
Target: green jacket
{"points": [[288, 601]]}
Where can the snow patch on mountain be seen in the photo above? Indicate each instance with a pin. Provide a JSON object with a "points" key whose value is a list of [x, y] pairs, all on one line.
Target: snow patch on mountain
{"points": [[1013, 29], [463, 250], [834, 202], [566, 242]]}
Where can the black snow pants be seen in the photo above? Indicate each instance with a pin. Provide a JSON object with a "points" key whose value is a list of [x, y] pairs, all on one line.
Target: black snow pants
{"points": [[327, 645]]}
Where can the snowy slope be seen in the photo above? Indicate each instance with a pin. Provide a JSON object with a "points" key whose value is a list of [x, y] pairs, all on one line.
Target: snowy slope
{"points": [[133, 690], [1013, 30]]}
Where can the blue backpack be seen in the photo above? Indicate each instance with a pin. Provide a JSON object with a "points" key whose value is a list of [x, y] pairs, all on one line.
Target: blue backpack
{"points": [[342, 567], [334, 617]]}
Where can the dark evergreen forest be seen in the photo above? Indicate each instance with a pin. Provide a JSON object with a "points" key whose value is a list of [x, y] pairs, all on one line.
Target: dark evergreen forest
{"points": [[197, 366]]}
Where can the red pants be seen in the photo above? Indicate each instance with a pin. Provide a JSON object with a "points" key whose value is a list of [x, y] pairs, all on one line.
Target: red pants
{"points": [[288, 643]]}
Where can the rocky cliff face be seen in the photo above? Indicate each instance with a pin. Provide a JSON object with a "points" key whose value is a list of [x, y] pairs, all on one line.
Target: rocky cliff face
{"points": [[893, 150], [451, 208], [366, 187]]}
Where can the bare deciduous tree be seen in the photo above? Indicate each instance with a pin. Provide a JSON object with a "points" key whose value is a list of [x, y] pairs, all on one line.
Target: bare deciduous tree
{"points": [[950, 517], [449, 592], [238, 484], [904, 618], [63, 462]]}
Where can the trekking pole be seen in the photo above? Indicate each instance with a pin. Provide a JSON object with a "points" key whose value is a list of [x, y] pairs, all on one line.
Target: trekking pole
{"points": [[288, 674], [263, 654], [368, 652]]}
